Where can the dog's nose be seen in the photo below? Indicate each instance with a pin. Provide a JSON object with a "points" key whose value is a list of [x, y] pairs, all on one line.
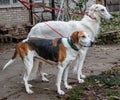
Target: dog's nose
{"points": [[111, 17]]}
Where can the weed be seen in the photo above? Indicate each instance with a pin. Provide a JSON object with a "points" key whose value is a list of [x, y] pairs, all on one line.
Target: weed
{"points": [[103, 86]]}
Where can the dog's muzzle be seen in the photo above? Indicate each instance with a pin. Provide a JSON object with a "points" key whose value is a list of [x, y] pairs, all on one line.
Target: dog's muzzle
{"points": [[111, 17]]}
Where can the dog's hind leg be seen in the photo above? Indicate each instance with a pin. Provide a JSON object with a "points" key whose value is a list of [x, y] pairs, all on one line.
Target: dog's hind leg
{"points": [[35, 70], [28, 61], [43, 75]]}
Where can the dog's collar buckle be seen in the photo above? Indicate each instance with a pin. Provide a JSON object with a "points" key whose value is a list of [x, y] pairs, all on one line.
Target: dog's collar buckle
{"points": [[71, 45]]}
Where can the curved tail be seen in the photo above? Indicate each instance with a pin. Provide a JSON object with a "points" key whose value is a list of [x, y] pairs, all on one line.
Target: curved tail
{"points": [[12, 59]]}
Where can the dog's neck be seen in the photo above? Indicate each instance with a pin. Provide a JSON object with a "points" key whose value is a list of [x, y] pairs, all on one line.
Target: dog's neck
{"points": [[93, 25], [74, 47], [93, 18]]}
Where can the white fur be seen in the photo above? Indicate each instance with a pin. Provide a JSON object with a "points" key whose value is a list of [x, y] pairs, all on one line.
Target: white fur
{"points": [[9, 63], [63, 67], [89, 24]]}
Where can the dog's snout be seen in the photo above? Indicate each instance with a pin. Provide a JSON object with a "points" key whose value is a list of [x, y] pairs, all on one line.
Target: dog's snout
{"points": [[111, 17]]}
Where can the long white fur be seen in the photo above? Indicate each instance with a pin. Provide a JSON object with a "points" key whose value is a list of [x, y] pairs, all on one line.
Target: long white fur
{"points": [[89, 24]]}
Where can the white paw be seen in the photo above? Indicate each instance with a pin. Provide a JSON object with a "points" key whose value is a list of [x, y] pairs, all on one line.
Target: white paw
{"points": [[61, 92], [81, 81], [44, 74], [30, 85], [30, 91], [68, 87], [83, 76], [44, 79]]}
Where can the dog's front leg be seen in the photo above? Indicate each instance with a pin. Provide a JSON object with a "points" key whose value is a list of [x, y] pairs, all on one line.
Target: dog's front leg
{"points": [[67, 86], [81, 59], [59, 79]]}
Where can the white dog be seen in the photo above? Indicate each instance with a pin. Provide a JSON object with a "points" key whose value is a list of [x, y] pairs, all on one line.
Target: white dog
{"points": [[90, 23], [61, 50]]}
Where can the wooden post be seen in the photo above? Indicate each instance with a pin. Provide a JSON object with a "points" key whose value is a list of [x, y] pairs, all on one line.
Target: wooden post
{"points": [[30, 13], [53, 11]]}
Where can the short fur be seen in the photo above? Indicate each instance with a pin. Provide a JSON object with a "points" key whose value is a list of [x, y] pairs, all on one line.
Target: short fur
{"points": [[57, 50], [90, 23]]}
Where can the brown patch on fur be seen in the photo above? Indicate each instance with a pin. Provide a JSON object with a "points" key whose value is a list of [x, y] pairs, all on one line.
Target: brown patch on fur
{"points": [[22, 49], [75, 36], [62, 53], [54, 42], [15, 53], [81, 33]]}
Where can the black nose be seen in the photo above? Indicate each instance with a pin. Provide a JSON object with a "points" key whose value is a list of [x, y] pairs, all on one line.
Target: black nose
{"points": [[111, 17]]}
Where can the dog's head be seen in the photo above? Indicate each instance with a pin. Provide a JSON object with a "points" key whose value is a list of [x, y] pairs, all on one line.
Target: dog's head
{"points": [[81, 38], [99, 11]]}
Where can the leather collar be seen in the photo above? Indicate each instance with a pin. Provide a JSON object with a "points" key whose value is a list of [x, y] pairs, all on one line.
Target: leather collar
{"points": [[72, 45]]}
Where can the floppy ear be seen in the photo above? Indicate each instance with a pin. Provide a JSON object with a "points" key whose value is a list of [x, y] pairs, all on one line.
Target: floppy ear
{"points": [[74, 37]]}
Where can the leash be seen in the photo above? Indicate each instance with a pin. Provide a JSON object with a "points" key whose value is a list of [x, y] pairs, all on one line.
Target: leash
{"points": [[25, 3], [52, 8], [54, 29]]}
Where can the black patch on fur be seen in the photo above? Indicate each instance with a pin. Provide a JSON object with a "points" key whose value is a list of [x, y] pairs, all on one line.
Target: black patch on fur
{"points": [[45, 48]]}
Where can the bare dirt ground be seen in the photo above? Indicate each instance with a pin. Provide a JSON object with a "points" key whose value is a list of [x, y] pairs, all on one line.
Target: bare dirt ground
{"points": [[99, 58]]}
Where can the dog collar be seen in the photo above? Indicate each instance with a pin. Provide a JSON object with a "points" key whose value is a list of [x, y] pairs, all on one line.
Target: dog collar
{"points": [[91, 17], [71, 44]]}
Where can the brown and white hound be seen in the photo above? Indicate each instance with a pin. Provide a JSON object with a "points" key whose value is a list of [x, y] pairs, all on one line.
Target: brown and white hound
{"points": [[61, 50]]}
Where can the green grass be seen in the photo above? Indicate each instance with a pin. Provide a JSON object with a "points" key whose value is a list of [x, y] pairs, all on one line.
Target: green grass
{"points": [[110, 25], [105, 85], [78, 92]]}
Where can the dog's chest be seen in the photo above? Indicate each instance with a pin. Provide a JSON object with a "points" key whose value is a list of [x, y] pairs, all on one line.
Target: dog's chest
{"points": [[45, 48]]}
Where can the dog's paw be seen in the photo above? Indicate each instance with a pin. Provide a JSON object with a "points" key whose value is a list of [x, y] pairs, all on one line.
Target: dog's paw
{"points": [[44, 74], [30, 85], [44, 79], [81, 81], [68, 87], [83, 76], [61, 92], [30, 91]]}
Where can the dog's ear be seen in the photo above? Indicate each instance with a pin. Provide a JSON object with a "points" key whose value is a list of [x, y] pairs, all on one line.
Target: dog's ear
{"points": [[93, 7], [74, 37]]}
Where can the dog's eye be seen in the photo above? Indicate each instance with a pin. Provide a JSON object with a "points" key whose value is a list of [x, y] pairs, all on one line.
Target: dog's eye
{"points": [[83, 36], [102, 10]]}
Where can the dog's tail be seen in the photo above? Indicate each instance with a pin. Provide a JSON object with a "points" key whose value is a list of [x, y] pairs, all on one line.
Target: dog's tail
{"points": [[12, 59]]}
